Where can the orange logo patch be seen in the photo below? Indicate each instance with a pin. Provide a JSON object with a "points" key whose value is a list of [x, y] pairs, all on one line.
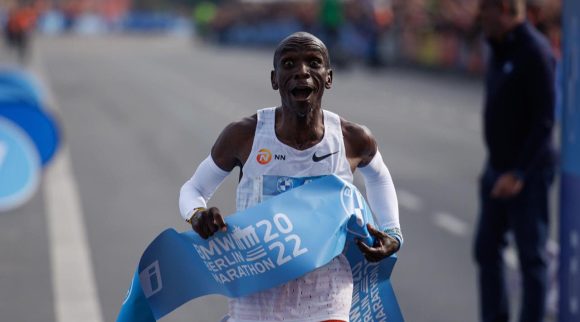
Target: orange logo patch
{"points": [[264, 156]]}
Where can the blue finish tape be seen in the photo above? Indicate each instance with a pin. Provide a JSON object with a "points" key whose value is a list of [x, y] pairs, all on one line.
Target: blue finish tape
{"points": [[265, 246]]}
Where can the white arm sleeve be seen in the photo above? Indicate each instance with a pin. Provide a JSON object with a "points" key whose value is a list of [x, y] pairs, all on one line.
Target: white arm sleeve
{"points": [[382, 197], [200, 187]]}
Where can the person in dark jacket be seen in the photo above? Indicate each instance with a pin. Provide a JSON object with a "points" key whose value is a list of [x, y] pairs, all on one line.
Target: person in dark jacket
{"points": [[514, 186]]}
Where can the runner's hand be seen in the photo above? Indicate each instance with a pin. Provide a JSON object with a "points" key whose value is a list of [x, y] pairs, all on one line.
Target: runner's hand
{"points": [[207, 222], [383, 247]]}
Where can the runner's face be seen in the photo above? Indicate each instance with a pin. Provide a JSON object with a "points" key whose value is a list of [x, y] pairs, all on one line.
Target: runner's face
{"points": [[301, 74]]}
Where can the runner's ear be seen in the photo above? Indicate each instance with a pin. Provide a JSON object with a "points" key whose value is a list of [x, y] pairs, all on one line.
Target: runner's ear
{"points": [[328, 82]]}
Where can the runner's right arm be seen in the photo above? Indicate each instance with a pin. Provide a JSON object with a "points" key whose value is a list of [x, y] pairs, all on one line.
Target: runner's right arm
{"points": [[231, 149]]}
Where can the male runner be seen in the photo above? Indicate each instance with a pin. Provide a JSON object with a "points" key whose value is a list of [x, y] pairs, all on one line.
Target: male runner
{"points": [[314, 142]]}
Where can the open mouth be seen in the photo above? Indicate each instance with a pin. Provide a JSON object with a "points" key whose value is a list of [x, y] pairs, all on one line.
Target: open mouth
{"points": [[301, 92]]}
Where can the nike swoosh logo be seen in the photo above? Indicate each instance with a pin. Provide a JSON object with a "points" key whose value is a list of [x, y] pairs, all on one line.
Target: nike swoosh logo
{"points": [[316, 158]]}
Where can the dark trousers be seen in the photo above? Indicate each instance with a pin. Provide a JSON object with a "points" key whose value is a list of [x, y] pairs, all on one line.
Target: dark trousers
{"points": [[526, 216]]}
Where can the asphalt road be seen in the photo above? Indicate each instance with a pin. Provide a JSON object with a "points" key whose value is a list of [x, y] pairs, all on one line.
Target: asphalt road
{"points": [[139, 113]]}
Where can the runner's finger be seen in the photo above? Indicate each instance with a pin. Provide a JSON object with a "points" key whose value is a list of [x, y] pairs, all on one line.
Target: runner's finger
{"points": [[203, 230], [219, 221], [365, 249], [213, 227], [216, 218], [373, 231]]}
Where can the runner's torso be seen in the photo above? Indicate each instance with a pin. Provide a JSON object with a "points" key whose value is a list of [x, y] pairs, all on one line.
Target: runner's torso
{"points": [[272, 168], [270, 160]]}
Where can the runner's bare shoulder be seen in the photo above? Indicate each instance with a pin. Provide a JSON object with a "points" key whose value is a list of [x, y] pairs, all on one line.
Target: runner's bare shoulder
{"points": [[234, 143], [359, 142]]}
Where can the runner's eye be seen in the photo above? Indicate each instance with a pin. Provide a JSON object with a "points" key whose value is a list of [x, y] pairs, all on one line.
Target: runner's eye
{"points": [[287, 64], [315, 63]]}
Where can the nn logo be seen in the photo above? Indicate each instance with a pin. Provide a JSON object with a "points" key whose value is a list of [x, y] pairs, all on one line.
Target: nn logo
{"points": [[150, 278], [264, 156]]}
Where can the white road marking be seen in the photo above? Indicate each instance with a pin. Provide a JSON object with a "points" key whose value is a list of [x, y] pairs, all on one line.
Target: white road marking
{"points": [[409, 200], [450, 223], [74, 286]]}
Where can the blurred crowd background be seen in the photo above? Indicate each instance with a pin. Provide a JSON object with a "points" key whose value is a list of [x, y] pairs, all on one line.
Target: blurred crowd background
{"points": [[438, 34]]}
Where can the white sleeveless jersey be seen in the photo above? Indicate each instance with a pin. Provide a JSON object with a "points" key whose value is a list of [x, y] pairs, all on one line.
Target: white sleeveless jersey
{"points": [[272, 168]]}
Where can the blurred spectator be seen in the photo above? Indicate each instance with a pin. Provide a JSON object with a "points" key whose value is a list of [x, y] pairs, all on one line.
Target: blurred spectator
{"points": [[434, 33], [203, 16], [382, 15], [438, 34], [19, 26], [514, 187], [370, 19], [332, 20], [545, 16]]}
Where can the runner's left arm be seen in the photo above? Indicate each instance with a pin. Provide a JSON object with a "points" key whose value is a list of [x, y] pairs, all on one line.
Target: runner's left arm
{"points": [[382, 199], [362, 151], [382, 196]]}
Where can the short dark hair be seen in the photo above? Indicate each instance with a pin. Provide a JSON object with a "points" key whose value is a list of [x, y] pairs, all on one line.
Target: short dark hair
{"points": [[305, 37]]}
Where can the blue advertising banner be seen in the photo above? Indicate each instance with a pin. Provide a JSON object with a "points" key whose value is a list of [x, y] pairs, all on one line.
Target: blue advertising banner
{"points": [[38, 124], [17, 80], [19, 166], [265, 246], [569, 269], [569, 278], [18, 96]]}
